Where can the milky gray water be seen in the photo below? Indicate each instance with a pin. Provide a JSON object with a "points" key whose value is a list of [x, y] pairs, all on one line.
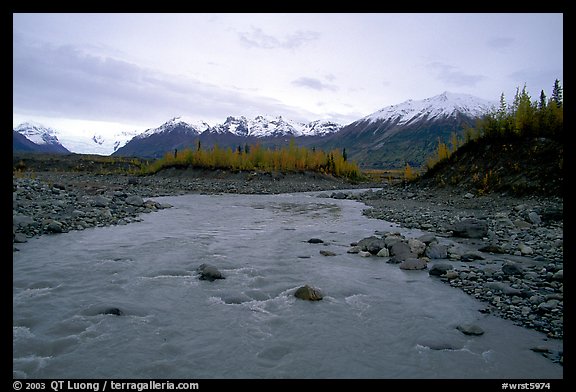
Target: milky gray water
{"points": [[375, 321]]}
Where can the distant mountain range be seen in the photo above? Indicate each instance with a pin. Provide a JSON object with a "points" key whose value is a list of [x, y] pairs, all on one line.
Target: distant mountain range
{"points": [[390, 137], [179, 133]]}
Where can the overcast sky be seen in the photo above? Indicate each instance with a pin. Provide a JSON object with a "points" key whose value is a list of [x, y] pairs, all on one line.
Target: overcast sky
{"points": [[103, 72]]}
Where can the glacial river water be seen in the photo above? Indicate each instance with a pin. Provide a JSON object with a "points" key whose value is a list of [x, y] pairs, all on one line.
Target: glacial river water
{"points": [[375, 321]]}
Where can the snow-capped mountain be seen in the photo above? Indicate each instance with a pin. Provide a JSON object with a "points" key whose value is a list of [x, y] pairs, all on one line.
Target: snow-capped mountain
{"points": [[321, 128], [43, 139], [176, 133], [409, 131], [38, 133], [260, 126], [268, 126], [181, 132], [444, 105], [183, 124]]}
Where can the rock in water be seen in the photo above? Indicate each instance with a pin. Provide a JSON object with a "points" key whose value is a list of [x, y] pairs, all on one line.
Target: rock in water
{"points": [[439, 269], [470, 329], [315, 241], [113, 311], [308, 293], [209, 273], [327, 253], [371, 244], [413, 264]]}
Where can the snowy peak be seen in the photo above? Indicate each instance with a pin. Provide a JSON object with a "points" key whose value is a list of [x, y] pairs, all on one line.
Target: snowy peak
{"points": [[444, 105], [263, 126], [269, 126], [181, 123], [235, 125], [36, 137], [38, 133], [259, 126], [321, 128]]}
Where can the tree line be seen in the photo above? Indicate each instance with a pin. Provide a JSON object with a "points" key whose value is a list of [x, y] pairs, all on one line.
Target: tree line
{"points": [[524, 117], [291, 158]]}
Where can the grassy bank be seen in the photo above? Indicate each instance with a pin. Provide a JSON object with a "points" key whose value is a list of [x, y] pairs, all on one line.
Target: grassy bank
{"points": [[287, 159]]}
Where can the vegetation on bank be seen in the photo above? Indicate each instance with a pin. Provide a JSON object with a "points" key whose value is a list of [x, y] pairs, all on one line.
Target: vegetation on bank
{"points": [[291, 158], [513, 145]]}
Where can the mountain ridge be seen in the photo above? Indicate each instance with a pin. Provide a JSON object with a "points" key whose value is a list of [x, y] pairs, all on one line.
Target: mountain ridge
{"points": [[402, 132]]}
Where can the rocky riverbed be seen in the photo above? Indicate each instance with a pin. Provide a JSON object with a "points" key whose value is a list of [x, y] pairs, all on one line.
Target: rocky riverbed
{"points": [[511, 256], [515, 266]]}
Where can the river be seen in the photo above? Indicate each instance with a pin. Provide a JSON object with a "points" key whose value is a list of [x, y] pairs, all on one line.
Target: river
{"points": [[375, 321]]}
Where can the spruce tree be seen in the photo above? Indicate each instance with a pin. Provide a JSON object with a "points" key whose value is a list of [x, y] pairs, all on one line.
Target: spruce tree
{"points": [[557, 94]]}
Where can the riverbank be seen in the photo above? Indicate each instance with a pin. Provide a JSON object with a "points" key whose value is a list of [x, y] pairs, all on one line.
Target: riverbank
{"points": [[522, 237]]}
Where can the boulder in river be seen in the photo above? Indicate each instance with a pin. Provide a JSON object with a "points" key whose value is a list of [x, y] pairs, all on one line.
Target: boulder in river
{"points": [[308, 293], [113, 311], [315, 241], [371, 244], [413, 264], [327, 253], [401, 251], [470, 329], [439, 269], [209, 273], [436, 251]]}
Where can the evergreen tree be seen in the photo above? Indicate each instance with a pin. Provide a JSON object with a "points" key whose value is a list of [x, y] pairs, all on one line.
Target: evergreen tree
{"points": [[557, 94], [502, 109], [516, 101], [344, 155], [524, 113], [542, 103]]}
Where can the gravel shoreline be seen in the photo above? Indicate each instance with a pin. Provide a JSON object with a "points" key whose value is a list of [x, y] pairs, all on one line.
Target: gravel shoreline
{"points": [[523, 234], [516, 266]]}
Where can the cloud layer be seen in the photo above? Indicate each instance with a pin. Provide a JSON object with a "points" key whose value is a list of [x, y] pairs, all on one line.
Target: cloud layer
{"points": [[257, 38], [67, 81]]}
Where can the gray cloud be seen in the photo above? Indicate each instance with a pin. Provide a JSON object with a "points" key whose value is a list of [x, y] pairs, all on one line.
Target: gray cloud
{"points": [[314, 84], [451, 75], [67, 82], [259, 39]]}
